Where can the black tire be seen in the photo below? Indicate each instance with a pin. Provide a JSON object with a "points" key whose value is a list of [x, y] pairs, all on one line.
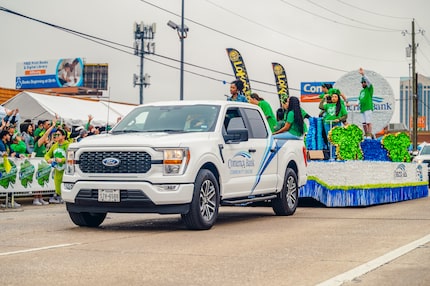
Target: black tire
{"points": [[87, 219], [288, 198], [205, 204]]}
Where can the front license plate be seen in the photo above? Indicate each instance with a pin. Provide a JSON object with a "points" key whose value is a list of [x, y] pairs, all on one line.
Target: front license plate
{"points": [[109, 196]]}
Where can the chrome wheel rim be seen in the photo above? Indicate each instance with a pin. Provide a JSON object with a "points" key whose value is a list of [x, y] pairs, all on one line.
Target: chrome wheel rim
{"points": [[291, 192], [207, 200]]}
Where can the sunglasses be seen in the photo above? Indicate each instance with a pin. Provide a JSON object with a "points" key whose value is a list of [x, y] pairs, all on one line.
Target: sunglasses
{"points": [[57, 134]]}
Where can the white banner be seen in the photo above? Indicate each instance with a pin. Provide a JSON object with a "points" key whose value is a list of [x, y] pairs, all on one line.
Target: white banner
{"points": [[26, 175]]}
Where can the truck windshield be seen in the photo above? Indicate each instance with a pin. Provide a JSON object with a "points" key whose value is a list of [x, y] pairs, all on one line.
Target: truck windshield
{"points": [[177, 118]]}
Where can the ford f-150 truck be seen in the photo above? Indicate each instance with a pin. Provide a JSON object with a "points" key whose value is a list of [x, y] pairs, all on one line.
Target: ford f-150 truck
{"points": [[183, 157]]}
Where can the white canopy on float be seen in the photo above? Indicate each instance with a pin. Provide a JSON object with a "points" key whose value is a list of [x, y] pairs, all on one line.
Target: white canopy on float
{"points": [[72, 110]]}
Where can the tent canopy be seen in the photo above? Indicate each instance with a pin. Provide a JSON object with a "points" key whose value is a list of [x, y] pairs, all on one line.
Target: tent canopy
{"points": [[72, 111]]}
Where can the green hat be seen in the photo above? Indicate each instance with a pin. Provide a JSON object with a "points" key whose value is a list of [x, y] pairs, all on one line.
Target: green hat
{"points": [[334, 91]]}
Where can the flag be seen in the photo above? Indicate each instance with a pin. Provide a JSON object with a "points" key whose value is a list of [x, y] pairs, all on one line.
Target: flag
{"points": [[6, 164], [239, 70], [281, 80]]}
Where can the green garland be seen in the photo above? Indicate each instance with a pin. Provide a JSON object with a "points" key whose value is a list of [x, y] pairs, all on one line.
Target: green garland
{"points": [[366, 186], [397, 146]]}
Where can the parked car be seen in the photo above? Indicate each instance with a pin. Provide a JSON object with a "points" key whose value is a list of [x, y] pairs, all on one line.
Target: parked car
{"points": [[424, 157]]}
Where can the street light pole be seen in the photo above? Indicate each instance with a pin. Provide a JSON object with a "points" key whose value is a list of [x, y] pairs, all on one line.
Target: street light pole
{"points": [[182, 31], [181, 90]]}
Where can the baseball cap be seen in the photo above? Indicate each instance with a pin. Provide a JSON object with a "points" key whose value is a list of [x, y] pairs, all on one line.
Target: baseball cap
{"points": [[15, 135]]}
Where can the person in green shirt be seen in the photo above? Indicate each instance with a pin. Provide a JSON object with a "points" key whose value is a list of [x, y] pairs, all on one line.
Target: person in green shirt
{"points": [[267, 109], [366, 103], [18, 145], [294, 127], [334, 112], [56, 156]]}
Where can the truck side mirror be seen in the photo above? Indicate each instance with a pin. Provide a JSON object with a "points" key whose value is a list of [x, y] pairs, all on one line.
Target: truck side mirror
{"points": [[236, 135]]}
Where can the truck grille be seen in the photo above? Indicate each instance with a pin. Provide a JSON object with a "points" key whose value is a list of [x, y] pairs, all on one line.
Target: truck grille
{"points": [[130, 162]]}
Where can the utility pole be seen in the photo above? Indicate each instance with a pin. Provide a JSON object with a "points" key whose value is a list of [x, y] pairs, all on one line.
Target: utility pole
{"points": [[141, 33], [413, 49], [414, 93]]}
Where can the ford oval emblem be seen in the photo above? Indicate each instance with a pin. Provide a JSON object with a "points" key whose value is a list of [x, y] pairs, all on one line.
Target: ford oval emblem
{"points": [[111, 162]]}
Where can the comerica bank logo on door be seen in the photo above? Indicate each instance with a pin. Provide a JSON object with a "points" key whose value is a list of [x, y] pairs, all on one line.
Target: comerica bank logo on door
{"points": [[241, 163]]}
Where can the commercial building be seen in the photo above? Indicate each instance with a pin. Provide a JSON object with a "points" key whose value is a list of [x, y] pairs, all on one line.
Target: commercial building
{"points": [[423, 92]]}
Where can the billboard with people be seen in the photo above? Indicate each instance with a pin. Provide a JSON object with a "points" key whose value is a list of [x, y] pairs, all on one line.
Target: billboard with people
{"points": [[49, 73]]}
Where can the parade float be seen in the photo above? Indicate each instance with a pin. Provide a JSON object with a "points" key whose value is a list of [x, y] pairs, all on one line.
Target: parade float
{"points": [[363, 172]]}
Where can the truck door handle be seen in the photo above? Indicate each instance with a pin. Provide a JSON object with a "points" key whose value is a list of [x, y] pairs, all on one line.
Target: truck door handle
{"points": [[252, 150]]}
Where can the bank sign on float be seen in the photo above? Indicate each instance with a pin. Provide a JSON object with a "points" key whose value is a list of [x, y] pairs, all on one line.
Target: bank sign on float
{"points": [[350, 86], [383, 98]]}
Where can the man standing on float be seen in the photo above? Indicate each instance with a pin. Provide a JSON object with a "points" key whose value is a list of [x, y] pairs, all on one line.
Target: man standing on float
{"points": [[366, 103]]}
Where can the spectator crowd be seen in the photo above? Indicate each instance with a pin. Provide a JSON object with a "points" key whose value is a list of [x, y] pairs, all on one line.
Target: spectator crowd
{"points": [[40, 139]]}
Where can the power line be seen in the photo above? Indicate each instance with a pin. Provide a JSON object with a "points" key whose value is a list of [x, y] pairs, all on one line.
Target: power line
{"points": [[371, 12], [247, 42], [312, 44], [110, 44], [351, 19], [334, 21]]}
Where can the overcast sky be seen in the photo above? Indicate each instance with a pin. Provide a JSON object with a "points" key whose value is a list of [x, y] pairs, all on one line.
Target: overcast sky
{"points": [[318, 40]]}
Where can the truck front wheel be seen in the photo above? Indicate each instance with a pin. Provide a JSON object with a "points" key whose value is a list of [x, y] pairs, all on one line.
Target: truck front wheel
{"points": [[288, 197], [205, 204], [87, 219]]}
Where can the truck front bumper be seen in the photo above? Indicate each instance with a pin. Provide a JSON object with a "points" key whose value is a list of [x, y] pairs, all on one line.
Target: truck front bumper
{"points": [[134, 197]]}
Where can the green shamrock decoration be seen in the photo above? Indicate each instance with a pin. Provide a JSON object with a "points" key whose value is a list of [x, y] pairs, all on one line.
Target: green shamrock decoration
{"points": [[8, 179], [347, 141], [26, 173], [43, 172], [397, 146]]}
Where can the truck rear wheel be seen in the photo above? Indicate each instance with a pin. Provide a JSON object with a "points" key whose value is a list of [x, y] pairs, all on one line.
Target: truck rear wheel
{"points": [[87, 219], [288, 198], [205, 204]]}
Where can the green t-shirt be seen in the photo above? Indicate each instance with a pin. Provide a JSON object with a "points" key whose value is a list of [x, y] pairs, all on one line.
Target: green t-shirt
{"points": [[366, 98], [330, 112], [39, 150], [267, 110], [58, 151], [294, 128], [305, 127], [19, 147]]}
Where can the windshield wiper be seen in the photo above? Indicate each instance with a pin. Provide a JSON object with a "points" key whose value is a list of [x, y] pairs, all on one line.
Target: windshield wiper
{"points": [[126, 131], [166, 130]]}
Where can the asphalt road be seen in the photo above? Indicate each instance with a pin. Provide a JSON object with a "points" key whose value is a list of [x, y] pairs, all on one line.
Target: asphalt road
{"points": [[39, 245]]}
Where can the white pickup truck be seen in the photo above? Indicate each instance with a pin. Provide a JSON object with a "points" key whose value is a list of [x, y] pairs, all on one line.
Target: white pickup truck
{"points": [[183, 157]]}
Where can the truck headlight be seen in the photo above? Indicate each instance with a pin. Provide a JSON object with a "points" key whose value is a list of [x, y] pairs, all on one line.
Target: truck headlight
{"points": [[175, 160], [70, 162]]}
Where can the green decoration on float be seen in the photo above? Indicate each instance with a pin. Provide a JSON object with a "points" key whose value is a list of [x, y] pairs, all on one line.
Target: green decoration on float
{"points": [[397, 146], [347, 141]]}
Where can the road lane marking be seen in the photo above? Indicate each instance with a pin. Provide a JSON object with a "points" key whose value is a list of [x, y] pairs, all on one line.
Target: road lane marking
{"points": [[37, 249], [373, 264]]}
